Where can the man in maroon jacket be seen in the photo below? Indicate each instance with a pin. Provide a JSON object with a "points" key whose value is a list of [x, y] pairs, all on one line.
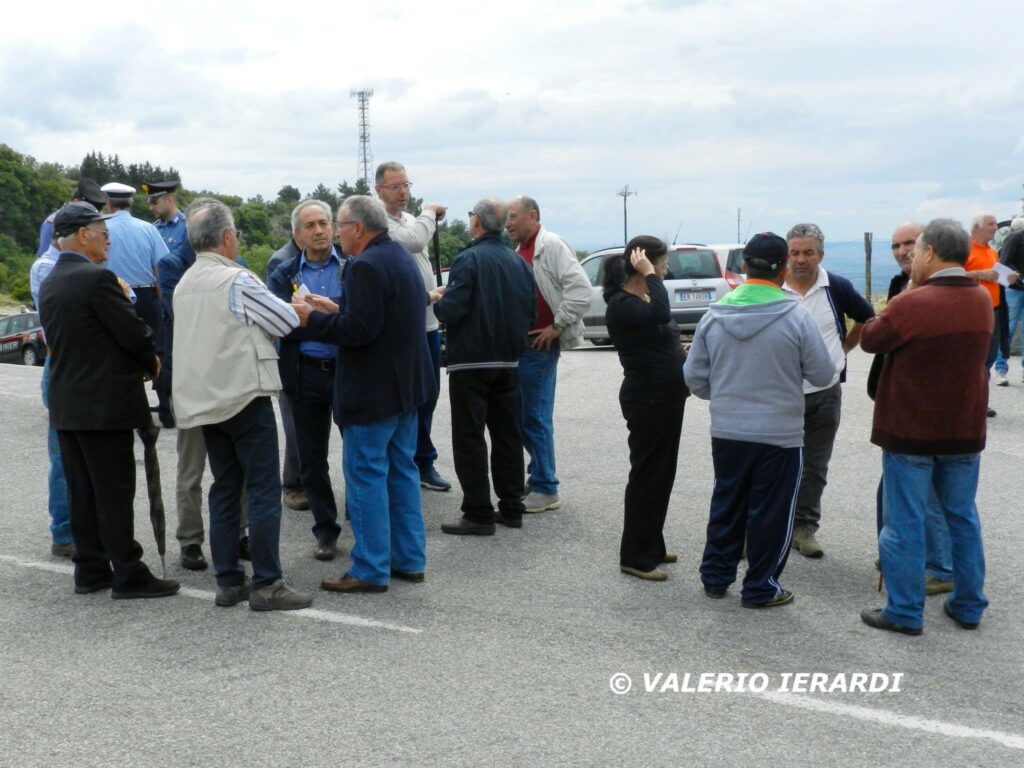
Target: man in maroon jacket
{"points": [[930, 422]]}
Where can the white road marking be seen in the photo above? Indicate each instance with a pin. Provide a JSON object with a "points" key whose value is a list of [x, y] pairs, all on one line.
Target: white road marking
{"points": [[886, 717], [317, 614]]}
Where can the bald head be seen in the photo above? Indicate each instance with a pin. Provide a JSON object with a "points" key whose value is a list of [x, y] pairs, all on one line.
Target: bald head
{"points": [[903, 239]]}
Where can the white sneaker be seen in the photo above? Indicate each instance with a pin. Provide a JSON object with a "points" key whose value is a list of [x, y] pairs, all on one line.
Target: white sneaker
{"points": [[1001, 380], [541, 502]]}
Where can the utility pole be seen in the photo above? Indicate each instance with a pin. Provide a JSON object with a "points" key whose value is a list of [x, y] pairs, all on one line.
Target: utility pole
{"points": [[625, 193], [365, 158], [868, 239], [738, 211]]}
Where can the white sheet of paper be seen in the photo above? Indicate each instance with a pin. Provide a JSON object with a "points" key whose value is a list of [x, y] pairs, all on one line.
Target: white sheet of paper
{"points": [[1004, 272], [303, 291]]}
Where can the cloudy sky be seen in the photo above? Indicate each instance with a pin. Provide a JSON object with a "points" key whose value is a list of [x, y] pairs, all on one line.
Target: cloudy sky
{"points": [[854, 115]]}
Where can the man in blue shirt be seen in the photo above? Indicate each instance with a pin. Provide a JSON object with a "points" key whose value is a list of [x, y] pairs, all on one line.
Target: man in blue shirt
{"points": [[307, 365], [135, 250]]}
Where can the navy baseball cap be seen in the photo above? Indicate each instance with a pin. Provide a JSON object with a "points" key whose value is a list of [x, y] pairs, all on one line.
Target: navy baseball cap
{"points": [[75, 215], [766, 251]]}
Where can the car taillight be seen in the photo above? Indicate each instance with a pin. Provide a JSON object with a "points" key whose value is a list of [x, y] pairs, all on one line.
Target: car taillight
{"points": [[734, 280]]}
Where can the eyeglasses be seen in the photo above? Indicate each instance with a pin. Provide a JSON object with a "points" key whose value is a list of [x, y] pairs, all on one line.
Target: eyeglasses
{"points": [[903, 244], [472, 213], [341, 224], [397, 187], [105, 232]]}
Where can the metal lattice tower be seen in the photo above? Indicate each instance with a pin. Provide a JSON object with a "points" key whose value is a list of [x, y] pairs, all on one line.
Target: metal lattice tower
{"points": [[365, 158]]}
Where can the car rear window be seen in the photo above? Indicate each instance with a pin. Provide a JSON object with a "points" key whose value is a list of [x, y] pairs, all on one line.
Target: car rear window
{"points": [[693, 265]]}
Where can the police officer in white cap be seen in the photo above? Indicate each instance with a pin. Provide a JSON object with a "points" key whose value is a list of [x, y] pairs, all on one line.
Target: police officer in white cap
{"points": [[135, 249]]}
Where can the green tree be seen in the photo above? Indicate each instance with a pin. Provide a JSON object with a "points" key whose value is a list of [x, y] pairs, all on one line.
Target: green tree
{"points": [[26, 197], [345, 190], [288, 194], [323, 193]]}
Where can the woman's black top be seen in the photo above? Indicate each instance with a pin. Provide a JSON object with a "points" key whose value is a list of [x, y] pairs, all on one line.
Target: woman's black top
{"points": [[647, 340]]}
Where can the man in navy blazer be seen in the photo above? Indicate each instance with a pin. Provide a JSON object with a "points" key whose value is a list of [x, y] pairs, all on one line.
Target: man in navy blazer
{"points": [[382, 377], [100, 352]]}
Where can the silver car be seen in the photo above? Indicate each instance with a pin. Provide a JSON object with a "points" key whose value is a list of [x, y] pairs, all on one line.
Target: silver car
{"points": [[694, 281]]}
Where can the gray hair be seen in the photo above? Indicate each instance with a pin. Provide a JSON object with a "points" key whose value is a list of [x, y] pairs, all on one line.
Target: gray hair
{"points": [[368, 211], [948, 239], [980, 217], [808, 230], [492, 214], [306, 204], [207, 221], [383, 168], [1017, 224], [528, 203]]}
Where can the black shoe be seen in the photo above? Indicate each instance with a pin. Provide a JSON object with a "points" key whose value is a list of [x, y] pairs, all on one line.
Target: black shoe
{"points": [[963, 624], [715, 593], [326, 549], [466, 527], [414, 578], [88, 589], [153, 588], [873, 618], [192, 558], [784, 597], [243, 549], [509, 522]]}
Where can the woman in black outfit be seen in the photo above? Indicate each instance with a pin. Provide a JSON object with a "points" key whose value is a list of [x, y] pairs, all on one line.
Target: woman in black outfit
{"points": [[652, 397]]}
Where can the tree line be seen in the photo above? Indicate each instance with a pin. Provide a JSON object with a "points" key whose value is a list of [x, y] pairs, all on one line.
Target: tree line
{"points": [[31, 190]]}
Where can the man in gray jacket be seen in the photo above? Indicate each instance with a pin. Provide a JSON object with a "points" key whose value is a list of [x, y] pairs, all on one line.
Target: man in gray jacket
{"points": [[751, 353], [563, 295]]}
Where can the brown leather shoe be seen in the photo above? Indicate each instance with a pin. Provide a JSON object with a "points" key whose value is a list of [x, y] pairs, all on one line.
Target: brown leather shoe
{"points": [[350, 585]]}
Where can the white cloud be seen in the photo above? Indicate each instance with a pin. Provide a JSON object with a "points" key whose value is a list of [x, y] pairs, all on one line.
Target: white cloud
{"points": [[853, 115]]}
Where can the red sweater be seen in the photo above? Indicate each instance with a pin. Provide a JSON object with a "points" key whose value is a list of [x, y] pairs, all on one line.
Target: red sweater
{"points": [[933, 389]]}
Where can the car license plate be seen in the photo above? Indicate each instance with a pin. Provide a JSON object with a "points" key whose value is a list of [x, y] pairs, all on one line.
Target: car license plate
{"points": [[694, 295]]}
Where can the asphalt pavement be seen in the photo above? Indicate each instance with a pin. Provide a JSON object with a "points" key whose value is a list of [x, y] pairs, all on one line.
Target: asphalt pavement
{"points": [[517, 648]]}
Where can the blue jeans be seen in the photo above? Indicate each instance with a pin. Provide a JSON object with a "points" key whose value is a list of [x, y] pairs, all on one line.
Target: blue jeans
{"points": [[382, 490], [60, 521], [1015, 310], [538, 370], [938, 555], [908, 482], [426, 453], [243, 450]]}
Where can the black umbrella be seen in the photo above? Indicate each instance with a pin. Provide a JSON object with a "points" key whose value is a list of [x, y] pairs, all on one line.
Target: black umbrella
{"points": [[149, 437], [437, 256]]}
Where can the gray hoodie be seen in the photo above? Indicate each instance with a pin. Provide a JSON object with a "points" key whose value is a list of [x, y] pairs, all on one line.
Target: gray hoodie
{"points": [[750, 361]]}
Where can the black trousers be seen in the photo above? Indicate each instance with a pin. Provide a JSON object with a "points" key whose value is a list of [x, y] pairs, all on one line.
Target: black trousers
{"points": [[654, 430], [487, 399], [100, 470], [311, 404]]}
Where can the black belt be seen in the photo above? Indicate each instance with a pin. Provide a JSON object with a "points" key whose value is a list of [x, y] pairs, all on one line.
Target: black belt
{"points": [[323, 363]]}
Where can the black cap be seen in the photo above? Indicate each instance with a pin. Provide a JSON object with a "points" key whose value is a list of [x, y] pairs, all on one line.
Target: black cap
{"points": [[157, 189], [766, 251], [90, 191], [74, 215]]}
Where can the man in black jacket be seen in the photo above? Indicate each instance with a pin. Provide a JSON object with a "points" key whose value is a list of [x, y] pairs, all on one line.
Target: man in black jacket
{"points": [[101, 351], [488, 308]]}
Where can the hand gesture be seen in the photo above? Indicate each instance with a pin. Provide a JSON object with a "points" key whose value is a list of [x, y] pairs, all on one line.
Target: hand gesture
{"points": [[640, 262], [321, 303]]}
